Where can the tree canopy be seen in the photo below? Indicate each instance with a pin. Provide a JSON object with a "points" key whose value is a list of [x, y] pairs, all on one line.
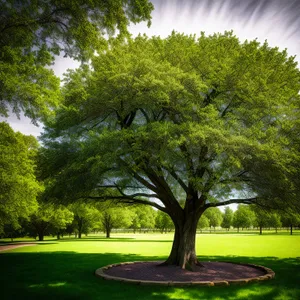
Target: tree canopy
{"points": [[49, 217], [31, 32], [18, 185], [214, 217], [227, 218], [243, 217], [182, 124]]}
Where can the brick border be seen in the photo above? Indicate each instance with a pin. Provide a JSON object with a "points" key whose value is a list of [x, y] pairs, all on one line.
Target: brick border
{"points": [[269, 275]]}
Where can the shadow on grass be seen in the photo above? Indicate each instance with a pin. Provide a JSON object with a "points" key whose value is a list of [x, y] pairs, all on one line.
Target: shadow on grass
{"points": [[70, 275]]}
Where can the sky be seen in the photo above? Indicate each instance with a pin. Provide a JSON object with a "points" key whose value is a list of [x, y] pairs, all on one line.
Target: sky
{"points": [[277, 21]]}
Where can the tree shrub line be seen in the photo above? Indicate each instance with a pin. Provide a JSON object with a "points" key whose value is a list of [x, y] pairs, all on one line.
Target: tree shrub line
{"points": [[80, 218]]}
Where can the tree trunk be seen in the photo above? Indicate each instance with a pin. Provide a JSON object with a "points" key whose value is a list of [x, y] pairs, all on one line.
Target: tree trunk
{"points": [[260, 230], [79, 234], [183, 252], [291, 229], [58, 236], [41, 236], [108, 230]]}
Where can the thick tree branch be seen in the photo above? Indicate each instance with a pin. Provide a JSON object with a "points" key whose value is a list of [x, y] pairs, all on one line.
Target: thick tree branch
{"points": [[139, 178], [128, 200], [164, 191], [145, 115], [176, 177], [233, 201]]}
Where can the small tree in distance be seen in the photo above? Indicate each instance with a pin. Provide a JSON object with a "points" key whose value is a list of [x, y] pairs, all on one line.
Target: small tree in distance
{"points": [[144, 217], [50, 218], [275, 221], [115, 217], [227, 218], [163, 222], [203, 223], [214, 217], [243, 217], [85, 217]]}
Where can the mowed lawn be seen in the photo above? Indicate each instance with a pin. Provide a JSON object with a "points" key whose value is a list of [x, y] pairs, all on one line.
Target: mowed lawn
{"points": [[65, 269]]}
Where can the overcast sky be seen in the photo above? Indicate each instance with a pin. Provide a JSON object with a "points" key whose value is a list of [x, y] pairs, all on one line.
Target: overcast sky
{"points": [[278, 21]]}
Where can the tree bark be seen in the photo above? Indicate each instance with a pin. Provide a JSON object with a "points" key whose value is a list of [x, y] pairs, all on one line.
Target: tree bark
{"points": [[108, 228], [183, 252], [41, 236], [260, 230], [291, 229]]}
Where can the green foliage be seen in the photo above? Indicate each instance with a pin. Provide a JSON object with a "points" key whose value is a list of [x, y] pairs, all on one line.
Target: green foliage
{"points": [[163, 222], [214, 217], [115, 217], [243, 217], [290, 218], [26, 84], [86, 216], [227, 218], [275, 221], [18, 185], [204, 122], [144, 217], [50, 218], [33, 31], [203, 222]]}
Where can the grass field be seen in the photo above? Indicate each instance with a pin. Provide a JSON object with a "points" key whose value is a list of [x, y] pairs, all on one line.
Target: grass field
{"points": [[64, 269]]}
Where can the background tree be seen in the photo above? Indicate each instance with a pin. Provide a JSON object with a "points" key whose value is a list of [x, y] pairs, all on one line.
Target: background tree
{"points": [[275, 221], [49, 219], [227, 218], [12, 231], [214, 217], [31, 32], [261, 218], [182, 133], [60, 219], [290, 219], [243, 217], [85, 217], [203, 222], [115, 217], [144, 217], [18, 185], [163, 222]]}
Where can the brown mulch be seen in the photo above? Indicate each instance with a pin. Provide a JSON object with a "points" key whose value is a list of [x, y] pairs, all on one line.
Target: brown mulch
{"points": [[211, 271], [13, 246]]}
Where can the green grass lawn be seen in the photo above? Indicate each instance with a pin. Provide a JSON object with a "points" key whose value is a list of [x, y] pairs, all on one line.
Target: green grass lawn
{"points": [[65, 269]]}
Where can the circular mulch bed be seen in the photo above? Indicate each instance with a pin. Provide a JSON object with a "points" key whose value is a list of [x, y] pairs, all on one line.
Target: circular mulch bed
{"points": [[213, 273]]}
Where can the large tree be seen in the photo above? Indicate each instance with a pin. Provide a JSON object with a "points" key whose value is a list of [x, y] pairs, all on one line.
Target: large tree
{"points": [[181, 124], [18, 185], [32, 32]]}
